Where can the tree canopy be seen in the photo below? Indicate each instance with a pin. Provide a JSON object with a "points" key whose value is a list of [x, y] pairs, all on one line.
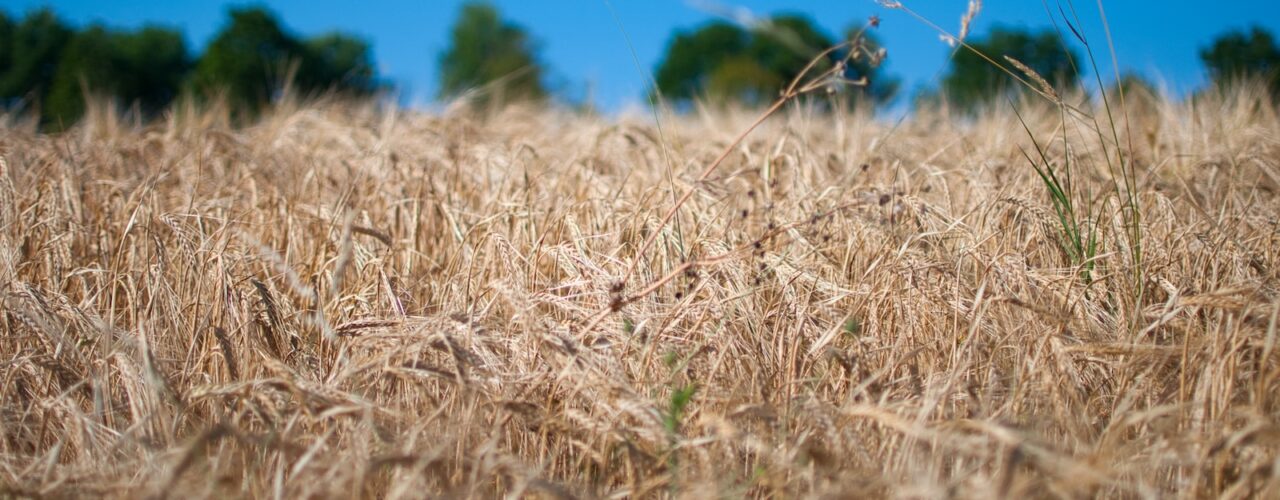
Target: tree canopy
{"points": [[724, 62], [50, 66], [254, 57], [693, 57], [972, 80], [145, 68], [339, 62], [30, 49], [1240, 55], [248, 59], [489, 54]]}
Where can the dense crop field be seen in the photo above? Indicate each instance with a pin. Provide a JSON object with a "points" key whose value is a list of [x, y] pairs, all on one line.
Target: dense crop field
{"points": [[343, 300]]}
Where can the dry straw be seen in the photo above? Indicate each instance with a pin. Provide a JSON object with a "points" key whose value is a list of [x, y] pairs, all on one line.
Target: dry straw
{"points": [[1042, 85], [889, 318], [975, 6]]}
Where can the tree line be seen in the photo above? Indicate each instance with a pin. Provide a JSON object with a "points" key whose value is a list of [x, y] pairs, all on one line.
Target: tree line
{"points": [[720, 61], [49, 67]]}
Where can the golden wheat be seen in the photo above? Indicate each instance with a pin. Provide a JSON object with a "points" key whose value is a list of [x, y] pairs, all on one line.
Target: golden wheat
{"points": [[346, 301]]}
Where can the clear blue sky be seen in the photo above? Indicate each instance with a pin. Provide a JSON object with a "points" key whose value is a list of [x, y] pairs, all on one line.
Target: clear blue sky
{"points": [[586, 49]]}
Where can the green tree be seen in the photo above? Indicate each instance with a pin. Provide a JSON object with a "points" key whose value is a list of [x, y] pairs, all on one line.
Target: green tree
{"points": [[254, 57], [743, 79], [6, 48], [159, 62], [486, 51], [88, 58], [693, 57], [46, 65], [339, 63], [31, 56], [723, 62], [1238, 55], [249, 60], [144, 68], [784, 45], [973, 81]]}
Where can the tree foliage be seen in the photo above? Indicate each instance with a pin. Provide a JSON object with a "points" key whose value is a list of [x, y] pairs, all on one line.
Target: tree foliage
{"points": [[491, 55], [248, 60], [783, 46], [973, 81], [727, 63], [254, 58], [1239, 55], [30, 61], [144, 68], [47, 65], [338, 62], [693, 57]]}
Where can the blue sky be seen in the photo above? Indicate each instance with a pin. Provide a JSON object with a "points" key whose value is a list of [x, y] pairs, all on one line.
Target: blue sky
{"points": [[589, 54]]}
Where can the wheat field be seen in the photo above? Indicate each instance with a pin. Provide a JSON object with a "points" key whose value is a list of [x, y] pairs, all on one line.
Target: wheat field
{"points": [[358, 301]]}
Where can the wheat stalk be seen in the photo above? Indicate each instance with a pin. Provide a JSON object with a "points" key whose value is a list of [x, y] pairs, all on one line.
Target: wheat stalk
{"points": [[853, 313]]}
